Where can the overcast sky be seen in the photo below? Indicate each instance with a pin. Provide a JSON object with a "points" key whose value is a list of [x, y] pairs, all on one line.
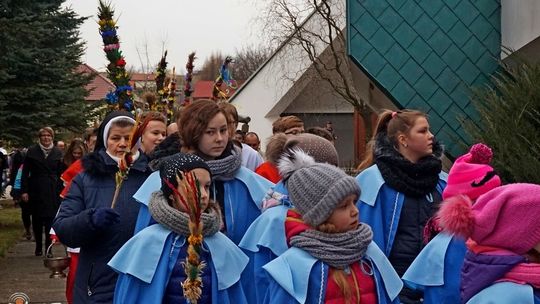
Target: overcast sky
{"points": [[182, 26]]}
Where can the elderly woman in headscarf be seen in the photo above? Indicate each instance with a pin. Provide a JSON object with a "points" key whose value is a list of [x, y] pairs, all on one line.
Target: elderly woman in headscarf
{"points": [[86, 218]]}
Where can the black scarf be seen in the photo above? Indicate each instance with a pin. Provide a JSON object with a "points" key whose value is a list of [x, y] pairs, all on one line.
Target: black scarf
{"points": [[411, 179]]}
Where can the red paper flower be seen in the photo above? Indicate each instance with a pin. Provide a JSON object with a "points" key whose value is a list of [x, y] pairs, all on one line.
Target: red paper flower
{"points": [[121, 62]]}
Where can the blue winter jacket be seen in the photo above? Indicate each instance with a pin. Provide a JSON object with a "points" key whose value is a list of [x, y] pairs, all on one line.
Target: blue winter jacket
{"points": [[146, 264], [437, 270], [266, 240], [297, 277], [93, 188], [380, 206], [243, 198]]}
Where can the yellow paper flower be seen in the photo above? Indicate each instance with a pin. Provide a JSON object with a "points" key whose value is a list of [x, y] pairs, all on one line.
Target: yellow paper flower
{"points": [[195, 239]]}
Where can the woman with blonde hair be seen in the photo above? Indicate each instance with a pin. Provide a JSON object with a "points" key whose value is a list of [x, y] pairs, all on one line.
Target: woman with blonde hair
{"points": [[40, 185]]}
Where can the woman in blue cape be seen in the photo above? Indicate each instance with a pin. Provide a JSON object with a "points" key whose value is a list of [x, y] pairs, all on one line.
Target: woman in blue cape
{"points": [[401, 187], [153, 265], [239, 191], [332, 258]]}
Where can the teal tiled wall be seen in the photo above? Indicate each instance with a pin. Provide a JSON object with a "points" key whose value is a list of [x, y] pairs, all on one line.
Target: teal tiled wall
{"points": [[427, 54]]}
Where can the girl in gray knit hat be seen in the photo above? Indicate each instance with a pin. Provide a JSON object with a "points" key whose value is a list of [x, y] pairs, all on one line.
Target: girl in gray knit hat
{"points": [[332, 257], [159, 263], [265, 237]]}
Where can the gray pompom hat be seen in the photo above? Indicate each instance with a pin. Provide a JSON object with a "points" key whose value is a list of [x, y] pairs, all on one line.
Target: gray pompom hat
{"points": [[315, 189]]}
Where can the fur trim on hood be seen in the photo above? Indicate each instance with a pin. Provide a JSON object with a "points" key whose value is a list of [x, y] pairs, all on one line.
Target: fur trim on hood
{"points": [[98, 163]]}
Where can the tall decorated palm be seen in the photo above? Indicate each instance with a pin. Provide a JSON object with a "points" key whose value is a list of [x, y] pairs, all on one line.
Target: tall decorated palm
{"points": [[116, 68], [161, 89]]}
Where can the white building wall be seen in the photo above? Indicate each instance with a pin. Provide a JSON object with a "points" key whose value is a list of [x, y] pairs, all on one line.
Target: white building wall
{"points": [[279, 81], [520, 23]]}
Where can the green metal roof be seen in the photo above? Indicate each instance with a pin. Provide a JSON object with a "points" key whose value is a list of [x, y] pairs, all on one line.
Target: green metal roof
{"points": [[427, 54]]}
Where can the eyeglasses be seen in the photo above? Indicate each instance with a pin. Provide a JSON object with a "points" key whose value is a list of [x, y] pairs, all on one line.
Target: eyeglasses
{"points": [[294, 131]]}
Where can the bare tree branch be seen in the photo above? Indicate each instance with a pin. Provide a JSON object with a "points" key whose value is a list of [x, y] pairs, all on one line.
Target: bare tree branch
{"points": [[323, 44]]}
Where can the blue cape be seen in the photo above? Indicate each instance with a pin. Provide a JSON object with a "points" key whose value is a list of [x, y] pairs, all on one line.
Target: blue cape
{"points": [[380, 206], [505, 293], [443, 256], [296, 272], [145, 263], [266, 240]]}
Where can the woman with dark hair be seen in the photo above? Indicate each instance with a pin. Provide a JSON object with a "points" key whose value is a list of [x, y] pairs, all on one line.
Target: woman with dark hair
{"points": [[72, 166], [86, 218], [401, 187], [40, 185]]}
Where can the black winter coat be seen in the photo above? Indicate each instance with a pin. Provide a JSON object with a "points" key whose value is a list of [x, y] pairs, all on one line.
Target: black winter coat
{"points": [[41, 180]]}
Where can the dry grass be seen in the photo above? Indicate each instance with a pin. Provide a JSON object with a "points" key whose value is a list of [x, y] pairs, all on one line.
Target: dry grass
{"points": [[10, 225]]}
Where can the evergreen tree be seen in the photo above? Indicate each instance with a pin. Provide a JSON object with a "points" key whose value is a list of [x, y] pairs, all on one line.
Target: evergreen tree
{"points": [[509, 122], [40, 51]]}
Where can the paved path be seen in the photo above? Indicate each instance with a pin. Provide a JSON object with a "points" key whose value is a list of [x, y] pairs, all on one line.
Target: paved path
{"points": [[21, 271]]}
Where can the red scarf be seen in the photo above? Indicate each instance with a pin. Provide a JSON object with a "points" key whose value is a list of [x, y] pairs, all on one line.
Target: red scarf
{"points": [[294, 225]]}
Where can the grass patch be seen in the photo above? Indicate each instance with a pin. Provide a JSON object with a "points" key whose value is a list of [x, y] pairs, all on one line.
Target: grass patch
{"points": [[10, 226]]}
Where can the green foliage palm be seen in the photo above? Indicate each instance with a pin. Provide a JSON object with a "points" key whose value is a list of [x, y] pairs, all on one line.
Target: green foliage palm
{"points": [[509, 122]]}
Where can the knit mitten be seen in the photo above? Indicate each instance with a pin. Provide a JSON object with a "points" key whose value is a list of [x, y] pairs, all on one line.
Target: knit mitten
{"points": [[103, 217]]}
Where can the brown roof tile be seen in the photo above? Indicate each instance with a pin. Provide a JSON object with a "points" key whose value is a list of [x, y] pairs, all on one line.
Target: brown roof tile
{"points": [[100, 85]]}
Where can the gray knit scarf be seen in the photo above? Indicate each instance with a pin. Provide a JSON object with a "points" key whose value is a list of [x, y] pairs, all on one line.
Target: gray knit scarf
{"points": [[225, 168], [177, 220], [339, 250]]}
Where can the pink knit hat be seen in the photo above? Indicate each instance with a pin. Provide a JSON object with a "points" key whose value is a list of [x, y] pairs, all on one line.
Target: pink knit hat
{"points": [[505, 217], [471, 174]]}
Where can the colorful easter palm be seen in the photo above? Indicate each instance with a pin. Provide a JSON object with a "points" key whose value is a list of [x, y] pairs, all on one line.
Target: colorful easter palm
{"points": [[116, 69], [188, 197]]}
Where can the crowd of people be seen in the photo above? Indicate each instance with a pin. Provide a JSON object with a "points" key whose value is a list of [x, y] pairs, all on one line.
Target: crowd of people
{"points": [[203, 215]]}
